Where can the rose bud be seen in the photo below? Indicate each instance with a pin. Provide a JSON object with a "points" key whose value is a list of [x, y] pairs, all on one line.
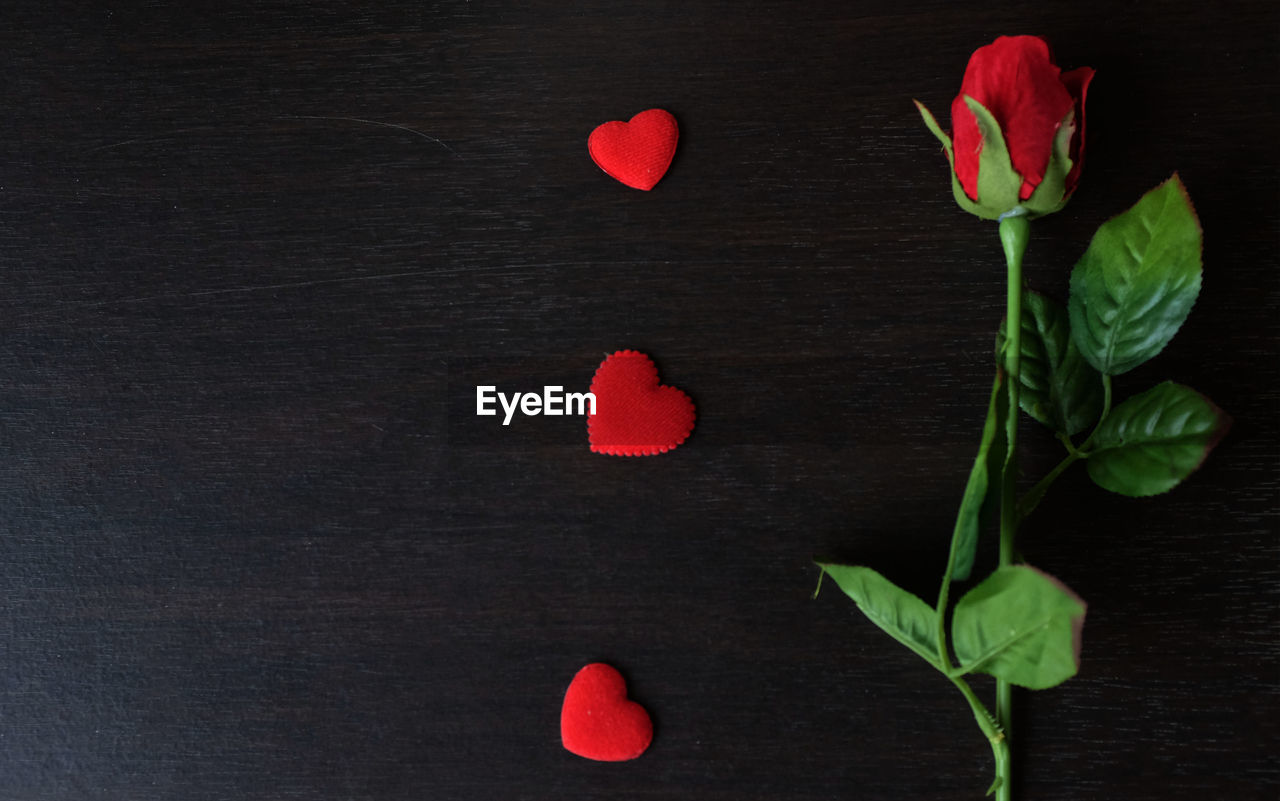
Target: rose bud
{"points": [[1018, 130]]}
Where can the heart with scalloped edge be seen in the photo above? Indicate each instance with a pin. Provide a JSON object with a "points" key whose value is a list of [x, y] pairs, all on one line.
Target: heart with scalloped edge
{"points": [[637, 152], [598, 721], [635, 415]]}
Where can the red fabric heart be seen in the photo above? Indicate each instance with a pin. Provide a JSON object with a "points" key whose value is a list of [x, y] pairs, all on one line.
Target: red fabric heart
{"points": [[638, 152], [598, 721], [635, 415]]}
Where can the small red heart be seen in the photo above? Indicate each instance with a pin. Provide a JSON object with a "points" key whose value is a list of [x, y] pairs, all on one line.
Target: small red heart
{"points": [[635, 415], [637, 152], [598, 721]]}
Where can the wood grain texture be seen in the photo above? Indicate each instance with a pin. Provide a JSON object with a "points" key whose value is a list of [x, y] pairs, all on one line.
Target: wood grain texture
{"points": [[257, 256]]}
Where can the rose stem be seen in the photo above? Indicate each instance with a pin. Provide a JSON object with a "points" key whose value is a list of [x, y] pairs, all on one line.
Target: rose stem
{"points": [[1015, 230]]}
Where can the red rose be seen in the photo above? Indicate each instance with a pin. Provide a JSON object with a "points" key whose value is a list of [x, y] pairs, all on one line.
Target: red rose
{"points": [[1027, 129]]}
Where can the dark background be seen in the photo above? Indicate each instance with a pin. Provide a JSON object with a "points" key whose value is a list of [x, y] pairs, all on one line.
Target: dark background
{"points": [[256, 544]]}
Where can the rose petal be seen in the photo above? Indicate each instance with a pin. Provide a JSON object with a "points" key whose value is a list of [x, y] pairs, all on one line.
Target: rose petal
{"points": [[1077, 83], [1015, 79]]}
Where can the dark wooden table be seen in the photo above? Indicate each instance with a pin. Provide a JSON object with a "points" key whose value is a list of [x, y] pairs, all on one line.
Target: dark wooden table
{"points": [[257, 545]]}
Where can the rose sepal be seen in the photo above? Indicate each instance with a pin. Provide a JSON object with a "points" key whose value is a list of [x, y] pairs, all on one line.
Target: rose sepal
{"points": [[998, 182], [1052, 193], [956, 189]]}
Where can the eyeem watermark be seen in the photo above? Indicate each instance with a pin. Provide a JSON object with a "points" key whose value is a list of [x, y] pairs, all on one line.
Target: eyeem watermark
{"points": [[553, 401]]}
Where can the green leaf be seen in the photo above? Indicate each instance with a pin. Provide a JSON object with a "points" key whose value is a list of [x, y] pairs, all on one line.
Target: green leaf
{"points": [[1050, 194], [1135, 285], [904, 616], [1058, 387], [999, 184], [1152, 441], [964, 538], [1019, 625]]}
